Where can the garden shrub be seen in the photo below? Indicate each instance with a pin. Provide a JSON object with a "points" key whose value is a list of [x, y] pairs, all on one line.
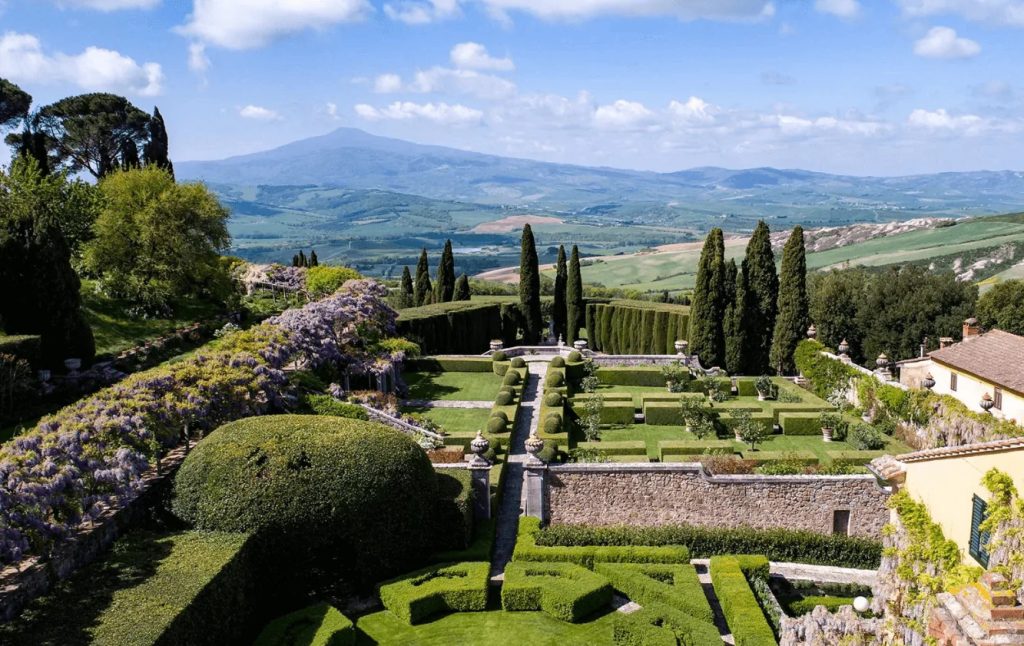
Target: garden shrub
{"points": [[557, 362], [865, 438], [805, 605], [555, 379], [357, 491], [565, 591], [496, 425], [574, 356], [657, 624], [452, 520], [500, 414], [457, 587], [805, 458], [626, 447], [800, 423], [669, 449], [739, 605], [22, 346], [511, 378], [504, 398], [319, 625], [151, 588], [553, 399], [518, 362], [612, 412], [787, 545], [499, 356], [507, 389], [327, 405], [323, 280], [527, 549], [553, 424], [672, 585], [457, 327], [500, 368], [632, 376]]}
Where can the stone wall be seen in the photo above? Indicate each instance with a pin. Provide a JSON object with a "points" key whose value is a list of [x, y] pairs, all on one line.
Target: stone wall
{"points": [[666, 494]]}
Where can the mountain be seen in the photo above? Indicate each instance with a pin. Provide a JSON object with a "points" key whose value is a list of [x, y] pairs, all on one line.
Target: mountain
{"points": [[354, 159]]}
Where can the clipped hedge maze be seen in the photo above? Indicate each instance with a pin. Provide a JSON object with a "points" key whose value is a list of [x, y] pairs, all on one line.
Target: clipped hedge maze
{"points": [[657, 624], [416, 597], [565, 591], [588, 555], [319, 625], [674, 585], [739, 605]]}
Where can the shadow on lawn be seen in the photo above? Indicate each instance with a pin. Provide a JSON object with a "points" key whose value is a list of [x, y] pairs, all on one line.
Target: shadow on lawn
{"points": [[422, 386]]}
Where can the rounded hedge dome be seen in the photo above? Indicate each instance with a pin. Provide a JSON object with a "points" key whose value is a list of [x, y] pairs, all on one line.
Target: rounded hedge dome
{"points": [[313, 485]]}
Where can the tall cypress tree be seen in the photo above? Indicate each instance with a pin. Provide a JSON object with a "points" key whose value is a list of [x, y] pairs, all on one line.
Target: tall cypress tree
{"points": [[408, 297], [156, 149], [313, 260], [707, 309], [574, 298], [529, 287], [444, 288], [762, 286], [792, 319], [302, 258], [558, 314], [733, 326], [462, 292], [423, 280]]}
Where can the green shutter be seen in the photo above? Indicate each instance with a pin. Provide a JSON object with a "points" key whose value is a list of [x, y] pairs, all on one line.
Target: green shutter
{"points": [[979, 539]]}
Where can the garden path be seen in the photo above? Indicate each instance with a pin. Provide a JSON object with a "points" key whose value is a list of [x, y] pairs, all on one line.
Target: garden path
{"points": [[704, 576], [512, 502]]}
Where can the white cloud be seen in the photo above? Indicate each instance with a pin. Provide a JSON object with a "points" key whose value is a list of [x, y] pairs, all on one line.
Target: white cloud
{"points": [[198, 61], [694, 110], [442, 113], [22, 59], [445, 80], [841, 8], [245, 24], [681, 9], [943, 42], [941, 120], [420, 12], [332, 111], [258, 113], [474, 56], [794, 125], [999, 12], [387, 84], [622, 115], [109, 5]]}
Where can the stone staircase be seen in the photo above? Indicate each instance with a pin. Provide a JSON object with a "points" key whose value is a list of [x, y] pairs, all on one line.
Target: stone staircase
{"points": [[983, 614]]}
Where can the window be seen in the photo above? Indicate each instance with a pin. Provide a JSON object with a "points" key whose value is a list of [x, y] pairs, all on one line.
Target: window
{"points": [[979, 539], [997, 399], [841, 522], [952, 382]]}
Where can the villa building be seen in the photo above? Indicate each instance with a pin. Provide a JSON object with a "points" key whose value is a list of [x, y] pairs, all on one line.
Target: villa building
{"points": [[985, 371]]}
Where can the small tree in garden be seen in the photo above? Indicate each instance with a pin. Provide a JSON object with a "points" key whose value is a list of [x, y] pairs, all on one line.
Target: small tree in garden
{"points": [[590, 382], [574, 313], [697, 416], [529, 288], [462, 291], [590, 422], [408, 295], [747, 429], [444, 287], [676, 375]]}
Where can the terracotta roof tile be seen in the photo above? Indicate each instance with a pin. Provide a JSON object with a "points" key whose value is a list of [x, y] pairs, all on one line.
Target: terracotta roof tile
{"points": [[995, 356], [1013, 443]]}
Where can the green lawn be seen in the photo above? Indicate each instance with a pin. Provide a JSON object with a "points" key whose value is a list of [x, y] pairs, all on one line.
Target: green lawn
{"points": [[485, 629], [454, 420], [450, 386]]}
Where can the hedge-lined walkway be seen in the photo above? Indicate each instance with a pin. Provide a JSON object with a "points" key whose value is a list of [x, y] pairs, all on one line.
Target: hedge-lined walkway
{"points": [[512, 496]]}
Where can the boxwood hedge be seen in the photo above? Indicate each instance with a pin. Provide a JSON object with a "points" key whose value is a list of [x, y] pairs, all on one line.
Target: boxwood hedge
{"points": [[800, 423], [563, 590], [672, 585], [458, 327], [657, 624], [327, 405], [448, 364], [527, 549], [456, 587], [319, 625], [739, 605]]}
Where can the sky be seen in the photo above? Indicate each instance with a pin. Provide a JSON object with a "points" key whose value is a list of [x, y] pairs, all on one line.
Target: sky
{"points": [[865, 87]]}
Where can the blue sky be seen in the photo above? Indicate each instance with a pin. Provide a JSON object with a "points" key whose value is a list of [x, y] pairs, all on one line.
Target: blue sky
{"points": [[852, 86]]}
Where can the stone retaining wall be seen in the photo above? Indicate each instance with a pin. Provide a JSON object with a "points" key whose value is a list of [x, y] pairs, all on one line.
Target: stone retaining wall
{"points": [[667, 494]]}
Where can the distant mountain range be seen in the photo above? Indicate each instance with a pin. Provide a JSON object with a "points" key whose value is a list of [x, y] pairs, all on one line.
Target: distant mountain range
{"points": [[353, 159]]}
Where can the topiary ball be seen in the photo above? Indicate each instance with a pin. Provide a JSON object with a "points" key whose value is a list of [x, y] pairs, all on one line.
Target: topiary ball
{"points": [[575, 356], [518, 362], [496, 425], [511, 378], [558, 362], [556, 379], [507, 389], [553, 399], [501, 414], [316, 489], [499, 356], [553, 424], [504, 399]]}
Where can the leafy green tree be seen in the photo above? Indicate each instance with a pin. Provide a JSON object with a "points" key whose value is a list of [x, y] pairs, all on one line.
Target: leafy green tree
{"points": [[1002, 307], [423, 289], [707, 308], [94, 133], [574, 298], [558, 312], [14, 104], [760, 307], [408, 295], [444, 288], [734, 327], [793, 317], [157, 241], [325, 280], [835, 298], [41, 291], [462, 291], [529, 287], [156, 149]]}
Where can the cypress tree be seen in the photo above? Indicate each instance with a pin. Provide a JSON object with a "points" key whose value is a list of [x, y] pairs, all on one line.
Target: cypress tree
{"points": [[156, 149], [574, 298], [734, 329], [444, 288], [313, 260], [423, 280], [529, 287], [558, 314], [762, 286], [295, 260], [792, 319], [462, 292], [302, 258], [408, 294], [707, 307]]}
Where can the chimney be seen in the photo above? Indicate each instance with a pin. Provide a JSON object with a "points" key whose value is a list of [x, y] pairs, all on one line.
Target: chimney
{"points": [[971, 328], [945, 341]]}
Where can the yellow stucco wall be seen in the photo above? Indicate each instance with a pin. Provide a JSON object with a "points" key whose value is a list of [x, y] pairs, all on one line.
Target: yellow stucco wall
{"points": [[969, 388], [947, 486]]}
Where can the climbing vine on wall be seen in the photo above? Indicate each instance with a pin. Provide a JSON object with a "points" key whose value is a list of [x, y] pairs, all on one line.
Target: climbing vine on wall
{"points": [[1005, 524]]}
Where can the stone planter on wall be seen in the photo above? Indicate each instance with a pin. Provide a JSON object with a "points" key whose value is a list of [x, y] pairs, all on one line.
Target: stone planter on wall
{"points": [[826, 434]]}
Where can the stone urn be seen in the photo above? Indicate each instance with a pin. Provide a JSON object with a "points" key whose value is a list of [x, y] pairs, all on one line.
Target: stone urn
{"points": [[497, 344], [737, 435], [681, 347], [826, 433], [73, 365], [580, 344]]}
